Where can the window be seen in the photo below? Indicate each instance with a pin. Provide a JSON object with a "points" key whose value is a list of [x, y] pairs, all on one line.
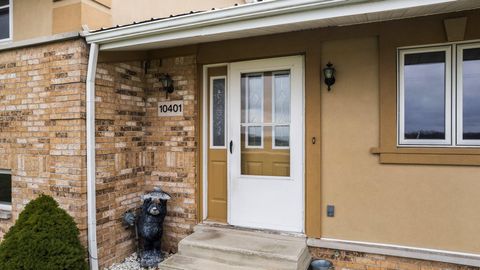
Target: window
{"points": [[281, 110], [5, 190], [5, 20], [468, 91], [218, 100], [266, 112], [427, 95], [254, 110]]}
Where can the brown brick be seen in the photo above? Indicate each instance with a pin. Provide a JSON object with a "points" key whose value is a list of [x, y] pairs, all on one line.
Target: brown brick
{"points": [[366, 261], [29, 103]]}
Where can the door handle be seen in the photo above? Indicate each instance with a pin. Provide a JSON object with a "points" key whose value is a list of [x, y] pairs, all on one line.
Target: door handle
{"points": [[231, 147]]}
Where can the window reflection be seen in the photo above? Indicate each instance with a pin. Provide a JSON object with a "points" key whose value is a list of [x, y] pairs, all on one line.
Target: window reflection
{"points": [[5, 188], [424, 80], [4, 22], [471, 94]]}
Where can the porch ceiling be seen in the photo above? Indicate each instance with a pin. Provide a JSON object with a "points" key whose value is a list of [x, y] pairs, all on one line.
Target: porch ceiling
{"points": [[264, 18]]}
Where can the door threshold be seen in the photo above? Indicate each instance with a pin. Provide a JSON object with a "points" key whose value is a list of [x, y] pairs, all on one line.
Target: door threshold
{"points": [[216, 224]]}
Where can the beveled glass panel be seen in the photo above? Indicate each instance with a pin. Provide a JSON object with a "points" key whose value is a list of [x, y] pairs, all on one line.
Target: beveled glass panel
{"points": [[218, 112], [281, 93], [255, 98], [5, 188], [265, 126], [424, 92], [471, 94], [282, 98]]}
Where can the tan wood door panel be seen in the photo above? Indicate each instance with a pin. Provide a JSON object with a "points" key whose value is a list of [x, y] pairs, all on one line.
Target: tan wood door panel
{"points": [[217, 185]]}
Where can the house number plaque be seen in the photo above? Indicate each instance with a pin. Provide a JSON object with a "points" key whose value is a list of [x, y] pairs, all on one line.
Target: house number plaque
{"points": [[170, 108]]}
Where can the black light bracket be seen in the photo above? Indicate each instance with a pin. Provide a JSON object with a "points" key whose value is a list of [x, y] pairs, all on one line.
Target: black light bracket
{"points": [[329, 75], [167, 83]]}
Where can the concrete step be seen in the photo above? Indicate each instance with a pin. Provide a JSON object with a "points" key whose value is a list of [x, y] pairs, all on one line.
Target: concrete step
{"points": [[179, 262], [258, 250]]}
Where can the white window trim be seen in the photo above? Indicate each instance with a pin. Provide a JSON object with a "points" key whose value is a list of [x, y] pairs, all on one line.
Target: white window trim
{"points": [[10, 22], [275, 124], [5, 206], [401, 141], [459, 89], [261, 124], [212, 146]]}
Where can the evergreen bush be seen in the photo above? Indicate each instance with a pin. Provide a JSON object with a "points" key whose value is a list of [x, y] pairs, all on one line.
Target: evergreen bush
{"points": [[45, 237]]}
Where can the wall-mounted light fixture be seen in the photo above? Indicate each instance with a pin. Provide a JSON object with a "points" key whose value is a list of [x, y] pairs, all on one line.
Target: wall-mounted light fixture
{"points": [[329, 74], [167, 83]]}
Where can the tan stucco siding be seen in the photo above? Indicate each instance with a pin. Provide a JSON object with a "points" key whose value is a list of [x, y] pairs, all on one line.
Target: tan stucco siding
{"points": [[124, 12], [95, 17], [413, 205], [72, 15], [67, 18], [31, 19], [40, 18]]}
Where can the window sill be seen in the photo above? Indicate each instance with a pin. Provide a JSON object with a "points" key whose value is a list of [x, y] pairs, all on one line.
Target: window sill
{"points": [[5, 41], [5, 215], [429, 156]]}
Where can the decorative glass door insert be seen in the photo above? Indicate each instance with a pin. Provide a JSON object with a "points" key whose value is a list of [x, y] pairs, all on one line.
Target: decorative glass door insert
{"points": [[265, 123]]}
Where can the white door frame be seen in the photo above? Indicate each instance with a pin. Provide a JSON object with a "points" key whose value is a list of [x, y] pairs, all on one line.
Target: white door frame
{"points": [[205, 139]]}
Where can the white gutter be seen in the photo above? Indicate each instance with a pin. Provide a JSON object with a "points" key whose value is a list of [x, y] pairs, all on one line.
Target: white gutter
{"points": [[245, 17], [91, 193]]}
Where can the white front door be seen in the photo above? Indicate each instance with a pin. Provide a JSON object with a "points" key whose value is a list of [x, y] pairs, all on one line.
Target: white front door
{"points": [[266, 144]]}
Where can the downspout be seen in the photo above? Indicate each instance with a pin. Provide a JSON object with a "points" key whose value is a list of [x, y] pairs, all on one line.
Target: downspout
{"points": [[90, 118]]}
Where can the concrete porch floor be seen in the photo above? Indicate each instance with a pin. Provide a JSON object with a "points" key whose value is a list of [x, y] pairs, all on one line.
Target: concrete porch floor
{"points": [[212, 247]]}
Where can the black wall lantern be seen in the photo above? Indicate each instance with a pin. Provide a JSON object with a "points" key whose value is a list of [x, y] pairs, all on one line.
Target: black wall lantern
{"points": [[167, 83], [329, 74]]}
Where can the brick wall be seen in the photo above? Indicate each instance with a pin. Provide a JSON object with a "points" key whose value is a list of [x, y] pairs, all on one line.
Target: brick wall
{"points": [[137, 150], [42, 139], [349, 260], [42, 126], [120, 162], [172, 146]]}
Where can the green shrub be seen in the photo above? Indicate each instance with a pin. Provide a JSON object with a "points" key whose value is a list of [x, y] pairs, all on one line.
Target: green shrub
{"points": [[44, 237]]}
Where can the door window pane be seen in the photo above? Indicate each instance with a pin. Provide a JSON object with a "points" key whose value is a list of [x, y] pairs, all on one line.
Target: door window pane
{"points": [[5, 188], [282, 98], [265, 123], [255, 136], [218, 112], [471, 94], [282, 136], [424, 93], [255, 99], [281, 87]]}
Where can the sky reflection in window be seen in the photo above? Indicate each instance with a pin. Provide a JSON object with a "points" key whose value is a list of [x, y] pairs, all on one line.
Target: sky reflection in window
{"points": [[424, 76]]}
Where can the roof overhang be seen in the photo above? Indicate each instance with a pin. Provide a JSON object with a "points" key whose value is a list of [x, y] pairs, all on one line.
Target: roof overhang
{"points": [[263, 18]]}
